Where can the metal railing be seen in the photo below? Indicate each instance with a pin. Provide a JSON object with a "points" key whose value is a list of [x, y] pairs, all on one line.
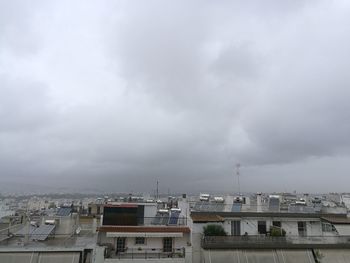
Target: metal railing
{"points": [[265, 208], [151, 221], [262, 240], [8, 232], [149, 253]]}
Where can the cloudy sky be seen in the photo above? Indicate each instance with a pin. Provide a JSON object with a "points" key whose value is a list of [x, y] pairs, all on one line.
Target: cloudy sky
{"points": [[114, 95]]}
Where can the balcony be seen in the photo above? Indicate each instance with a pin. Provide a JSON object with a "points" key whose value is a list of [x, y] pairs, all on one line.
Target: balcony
{"points": [[229, 242], [177, 254], [150, 221]]}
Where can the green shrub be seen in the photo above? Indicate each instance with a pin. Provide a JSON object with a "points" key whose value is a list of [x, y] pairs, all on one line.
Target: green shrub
{"points": [[277, 231], [214, 230]]}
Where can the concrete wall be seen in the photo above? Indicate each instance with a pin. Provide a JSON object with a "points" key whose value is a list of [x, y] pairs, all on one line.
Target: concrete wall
{"points": [[94, 209], [196, 247], [150, 210], [66, 226]]}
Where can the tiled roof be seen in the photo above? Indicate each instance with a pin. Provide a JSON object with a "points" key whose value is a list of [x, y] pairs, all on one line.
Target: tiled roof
{"points": [[202, 218], [141, 229]]}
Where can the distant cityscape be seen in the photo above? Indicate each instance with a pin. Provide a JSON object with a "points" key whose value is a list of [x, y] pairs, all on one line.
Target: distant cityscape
{"points": [[124, 227], [174, 131]]}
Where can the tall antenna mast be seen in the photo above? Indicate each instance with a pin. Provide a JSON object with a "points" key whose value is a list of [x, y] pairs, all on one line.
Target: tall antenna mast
{"points": [[238, 165], [157, 190]]}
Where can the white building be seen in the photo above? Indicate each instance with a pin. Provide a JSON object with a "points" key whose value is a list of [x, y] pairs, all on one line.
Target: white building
{"points": [[141, 231]]}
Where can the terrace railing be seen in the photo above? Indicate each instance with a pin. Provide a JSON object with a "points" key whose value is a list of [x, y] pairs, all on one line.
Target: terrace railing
{"points": [[149, 253], [212, 242], [151, 221]]}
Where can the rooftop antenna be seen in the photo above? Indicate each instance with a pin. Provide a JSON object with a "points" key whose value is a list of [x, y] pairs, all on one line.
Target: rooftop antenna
{"points": [[157, 190], [238, 165]]}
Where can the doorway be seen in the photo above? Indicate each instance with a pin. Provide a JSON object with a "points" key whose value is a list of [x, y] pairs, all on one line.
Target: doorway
{"points": [[236, 228], [120, 246], [168, 244]]}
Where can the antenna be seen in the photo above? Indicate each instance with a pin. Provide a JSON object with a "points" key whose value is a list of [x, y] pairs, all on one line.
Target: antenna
{"points": [[157, 190], [238, 165]]}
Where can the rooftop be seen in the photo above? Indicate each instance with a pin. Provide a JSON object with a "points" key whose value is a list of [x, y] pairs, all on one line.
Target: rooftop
{"points": [[77, 242]]}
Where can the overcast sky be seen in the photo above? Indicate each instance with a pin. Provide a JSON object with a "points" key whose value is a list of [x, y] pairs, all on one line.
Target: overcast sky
{"points": [[114, 95]]}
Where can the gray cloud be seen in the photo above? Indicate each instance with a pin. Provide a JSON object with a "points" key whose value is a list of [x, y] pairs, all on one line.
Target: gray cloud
{"points": [[114, 96]]}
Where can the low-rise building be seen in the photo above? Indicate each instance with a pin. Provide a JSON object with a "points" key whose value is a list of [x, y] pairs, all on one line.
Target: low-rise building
{"points": [[279, 232], [142, 231]]}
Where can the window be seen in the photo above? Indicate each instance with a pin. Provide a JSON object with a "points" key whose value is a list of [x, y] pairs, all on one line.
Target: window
{"points": [[120, 247], [168, 244], [302, 228], [140, 241], [327, 227], [262, 227]]}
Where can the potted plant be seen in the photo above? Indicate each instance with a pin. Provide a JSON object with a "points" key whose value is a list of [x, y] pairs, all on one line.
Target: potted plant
{"points": [[214, 230]]}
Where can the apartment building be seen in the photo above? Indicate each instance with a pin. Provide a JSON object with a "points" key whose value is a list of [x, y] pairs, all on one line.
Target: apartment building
{"points": [[143, 231], [301, 233]]}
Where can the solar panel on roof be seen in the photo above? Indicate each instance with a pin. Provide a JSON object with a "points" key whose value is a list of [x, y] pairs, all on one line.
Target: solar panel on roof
{"points": [[174, 216], [25, 230], [64, 211], [164, 220], [236, 207], [42, 232], [219, 207], [197, 207], [274, 204], [205, 207]]}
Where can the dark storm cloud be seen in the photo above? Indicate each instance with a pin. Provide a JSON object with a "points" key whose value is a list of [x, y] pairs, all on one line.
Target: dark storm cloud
{"points": [[24, 106], [116, 95]]}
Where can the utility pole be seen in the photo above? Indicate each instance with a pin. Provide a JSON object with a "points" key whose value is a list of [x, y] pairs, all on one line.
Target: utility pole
{"points": [[238, 165]]}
